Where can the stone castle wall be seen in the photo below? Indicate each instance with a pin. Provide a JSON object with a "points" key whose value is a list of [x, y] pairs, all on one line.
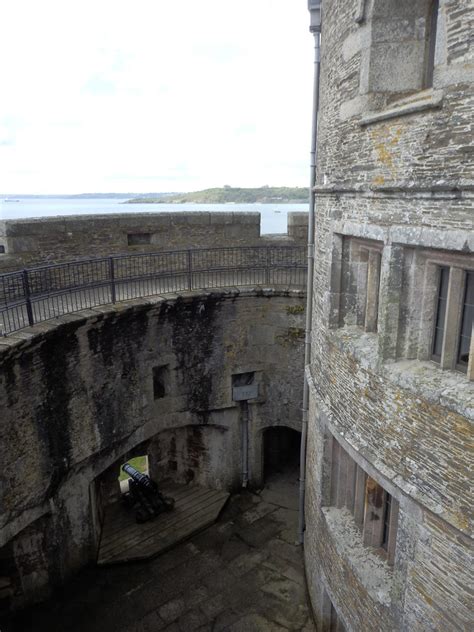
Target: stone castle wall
{"points": [[394, 203], [29, 242], [78, 398]]}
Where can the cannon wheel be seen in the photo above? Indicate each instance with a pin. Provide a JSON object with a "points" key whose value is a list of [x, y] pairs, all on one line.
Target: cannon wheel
{"points": [[141, 515], [168, 503]]}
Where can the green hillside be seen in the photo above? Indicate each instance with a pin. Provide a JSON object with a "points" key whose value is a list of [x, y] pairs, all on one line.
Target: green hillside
{"points": [[229, 195]]}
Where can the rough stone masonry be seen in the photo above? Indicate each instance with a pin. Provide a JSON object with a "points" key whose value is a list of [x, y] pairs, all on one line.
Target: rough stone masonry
{"points": [[83, 393], [389, 497]]}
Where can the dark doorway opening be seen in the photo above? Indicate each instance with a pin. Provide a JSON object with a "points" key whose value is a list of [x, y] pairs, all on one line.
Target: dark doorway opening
{"points": [[281, 451], [8, 578]]}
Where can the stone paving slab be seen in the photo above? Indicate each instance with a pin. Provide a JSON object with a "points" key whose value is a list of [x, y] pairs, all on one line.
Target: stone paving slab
{"points": [[242, 574]]}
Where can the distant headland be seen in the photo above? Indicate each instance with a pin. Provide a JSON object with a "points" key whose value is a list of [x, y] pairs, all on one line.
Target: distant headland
{"points": [[231, 195], [78, 196]]}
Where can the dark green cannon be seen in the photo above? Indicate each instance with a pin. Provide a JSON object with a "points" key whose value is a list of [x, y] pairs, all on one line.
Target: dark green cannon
{"points": [[144, 495]]}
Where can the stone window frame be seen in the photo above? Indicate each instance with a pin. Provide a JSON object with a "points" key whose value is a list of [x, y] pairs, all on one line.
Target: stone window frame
{"points": [[440, 313], [359, 287], [416, 95], [407, 292], [374, 509], [414, 291], [459, 266], [468, 287]]}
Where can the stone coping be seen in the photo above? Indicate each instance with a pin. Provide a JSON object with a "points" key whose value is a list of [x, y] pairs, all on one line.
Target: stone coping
{"points": [[419, 102], [20, 338], [131, 221]]}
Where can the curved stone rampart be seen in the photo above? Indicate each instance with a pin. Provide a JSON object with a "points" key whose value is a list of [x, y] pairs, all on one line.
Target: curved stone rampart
{"points": [[81, 394]]}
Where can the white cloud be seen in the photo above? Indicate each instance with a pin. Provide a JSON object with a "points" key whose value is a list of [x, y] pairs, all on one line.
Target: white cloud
{"points": [[154, 95]]}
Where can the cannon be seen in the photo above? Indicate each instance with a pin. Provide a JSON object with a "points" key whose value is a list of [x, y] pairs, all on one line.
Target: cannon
{"points": [[144, 495]]}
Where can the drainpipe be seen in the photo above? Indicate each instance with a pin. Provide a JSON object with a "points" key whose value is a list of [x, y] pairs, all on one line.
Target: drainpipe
{"points": [[244, 387], [314, 7], [244, 409]]}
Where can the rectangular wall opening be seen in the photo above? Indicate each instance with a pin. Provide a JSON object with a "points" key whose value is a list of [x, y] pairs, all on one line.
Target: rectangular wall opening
{"points": [[160, 381], [138, 239]]}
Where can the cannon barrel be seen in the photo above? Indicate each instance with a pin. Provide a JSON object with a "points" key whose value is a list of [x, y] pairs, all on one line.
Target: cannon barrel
{"points": [[143, 494], [141, 479]]}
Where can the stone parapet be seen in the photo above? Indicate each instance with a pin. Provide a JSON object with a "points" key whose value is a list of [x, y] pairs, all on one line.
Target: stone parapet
{"points": [[28, 242]]}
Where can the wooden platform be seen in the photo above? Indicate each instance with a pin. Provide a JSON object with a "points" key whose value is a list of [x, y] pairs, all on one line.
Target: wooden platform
{"points": [[123, 540]]}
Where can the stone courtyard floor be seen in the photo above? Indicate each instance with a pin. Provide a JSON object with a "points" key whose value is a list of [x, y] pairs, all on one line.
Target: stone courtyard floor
{"points": [[242, 574]]}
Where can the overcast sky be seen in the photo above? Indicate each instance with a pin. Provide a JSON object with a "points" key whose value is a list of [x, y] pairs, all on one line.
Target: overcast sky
{"points": [[153, 95]]}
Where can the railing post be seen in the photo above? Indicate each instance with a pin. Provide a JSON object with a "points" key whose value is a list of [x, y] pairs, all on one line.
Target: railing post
{"points": [[267, 268], [190, 270], [112, 279], [26, 289]]}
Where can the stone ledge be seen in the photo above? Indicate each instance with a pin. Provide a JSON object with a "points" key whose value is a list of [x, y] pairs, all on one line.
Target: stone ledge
{"points": [[24, 336], [371, 570], [426, 100], [403, 189], [450, 389]]}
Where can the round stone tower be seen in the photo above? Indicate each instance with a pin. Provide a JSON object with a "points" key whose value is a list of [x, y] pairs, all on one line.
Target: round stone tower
{"points": [[388, 504]]}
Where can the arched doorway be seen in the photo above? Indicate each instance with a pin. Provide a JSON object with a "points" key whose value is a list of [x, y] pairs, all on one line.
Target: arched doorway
{"points": [[281, 451]]}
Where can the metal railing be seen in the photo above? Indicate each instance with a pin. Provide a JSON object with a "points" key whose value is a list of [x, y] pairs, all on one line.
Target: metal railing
{"points": [[31, 296]]}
